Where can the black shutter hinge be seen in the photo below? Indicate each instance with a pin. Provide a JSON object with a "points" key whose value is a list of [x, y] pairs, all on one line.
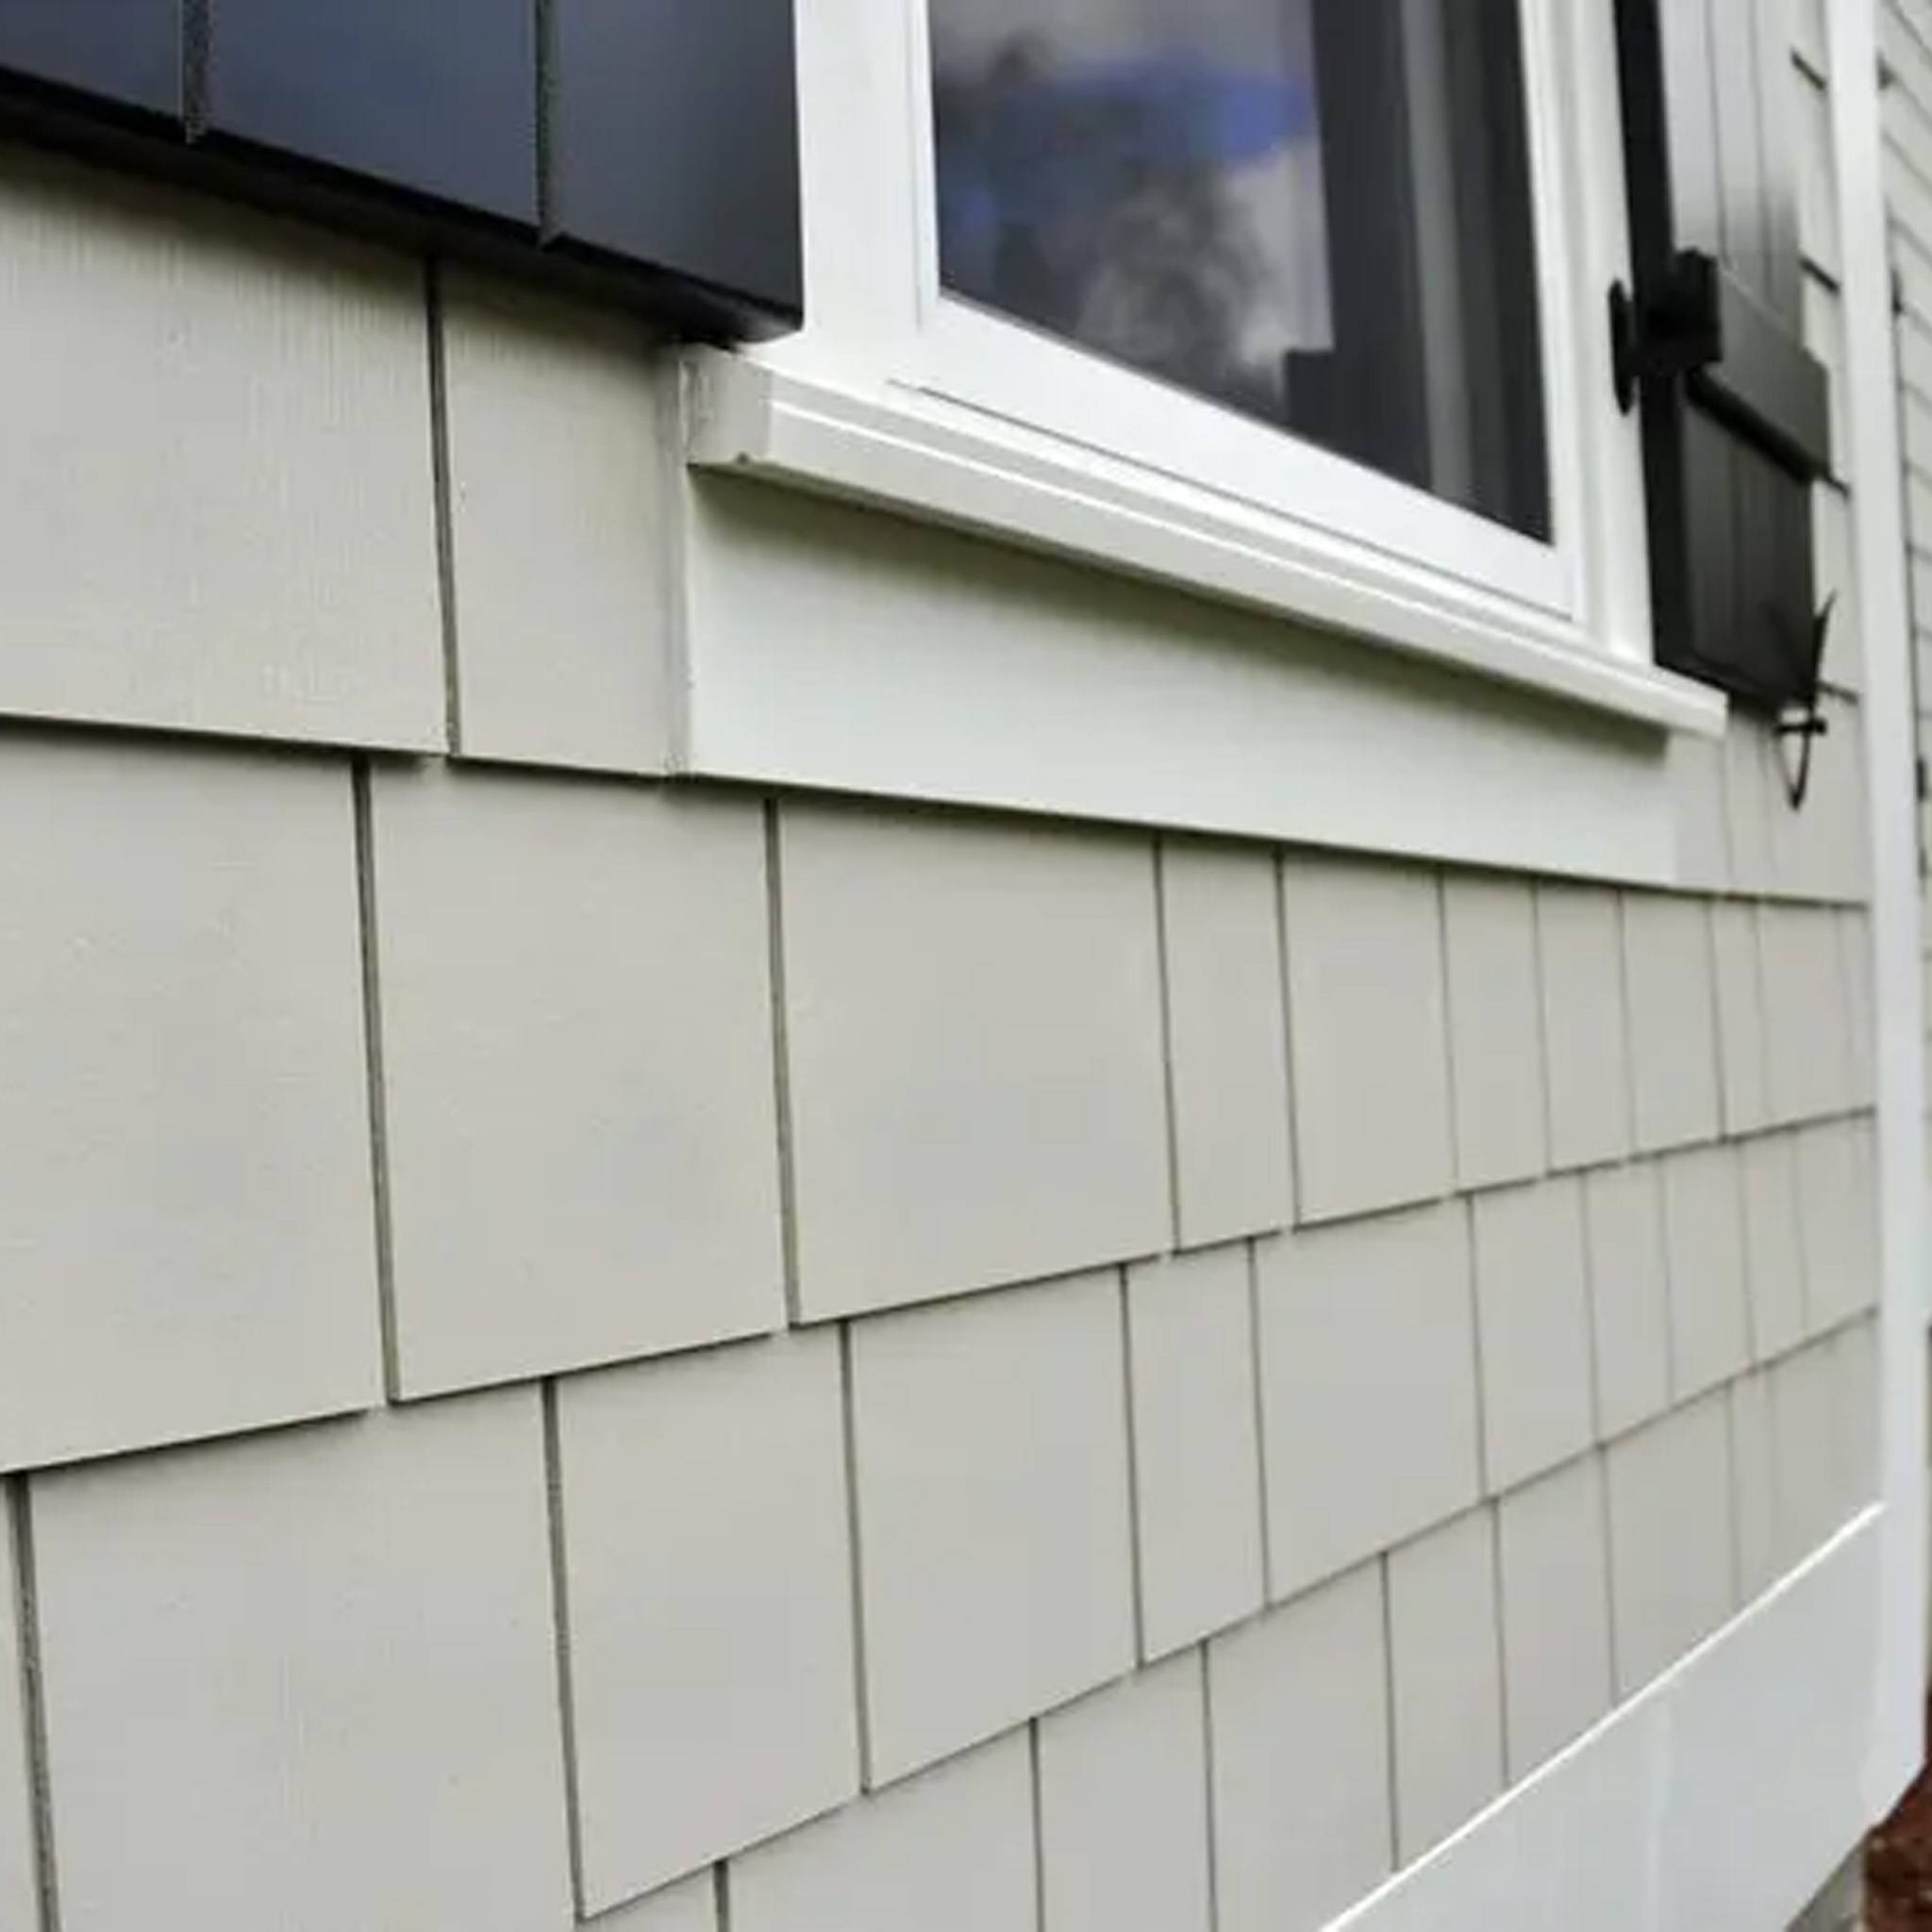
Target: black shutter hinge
{"points": [[1800, 717], [1666, 332]]}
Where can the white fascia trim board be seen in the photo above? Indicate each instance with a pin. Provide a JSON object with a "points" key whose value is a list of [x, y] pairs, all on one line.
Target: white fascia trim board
{"points": [[967, 473], [1719, 1799], [1871, 410]]}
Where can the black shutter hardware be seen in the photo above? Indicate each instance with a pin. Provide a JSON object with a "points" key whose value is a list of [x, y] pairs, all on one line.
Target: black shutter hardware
{"points": [[1708, 344]]}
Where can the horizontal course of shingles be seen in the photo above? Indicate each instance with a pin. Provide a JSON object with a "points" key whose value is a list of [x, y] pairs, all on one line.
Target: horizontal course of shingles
{"points": [[1275, 1344], [951, 1502]]}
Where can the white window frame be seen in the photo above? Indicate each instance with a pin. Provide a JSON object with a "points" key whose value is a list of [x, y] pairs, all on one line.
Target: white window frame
{"points": [[973, 356], [907, 375]]}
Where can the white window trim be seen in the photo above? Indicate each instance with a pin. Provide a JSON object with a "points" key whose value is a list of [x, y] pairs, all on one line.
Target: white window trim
{"points": [[894, 396], [993, 481]]}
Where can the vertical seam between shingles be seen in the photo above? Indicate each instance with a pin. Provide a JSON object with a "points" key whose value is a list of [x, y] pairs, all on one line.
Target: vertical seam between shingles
{"points": [[1626, 1066], [1539, 968], [1281, 947], [1708, 926], [1659, 1164], [848, 1405], [781, 1056], [1258, 1381], [1136, 1578], [1392, 1740], [1496, 1515], [1210, 1805], [1606, 1528], [1164, 967], [1737, 1464], [1035, 1783], [1451, 1084], [560, 1608], [1472, 1265], [376, 1076], [1732, 1539], [443, 503], [26, 1605]]}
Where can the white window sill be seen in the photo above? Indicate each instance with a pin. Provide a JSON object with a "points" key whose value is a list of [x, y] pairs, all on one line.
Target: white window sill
{"points": [[976, 474]]}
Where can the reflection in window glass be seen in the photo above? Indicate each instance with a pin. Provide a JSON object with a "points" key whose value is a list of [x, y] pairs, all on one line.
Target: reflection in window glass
{"points": [[1313, 212]]}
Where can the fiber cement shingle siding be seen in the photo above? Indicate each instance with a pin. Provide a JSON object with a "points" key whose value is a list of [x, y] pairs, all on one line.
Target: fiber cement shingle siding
{"points": [[1905, 28], [976, 1361]]}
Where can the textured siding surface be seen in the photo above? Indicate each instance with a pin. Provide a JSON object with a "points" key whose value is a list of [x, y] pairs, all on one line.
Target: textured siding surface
{"points": [[220, 503], [1905, 49], [574, 1345], [1906, 45]]}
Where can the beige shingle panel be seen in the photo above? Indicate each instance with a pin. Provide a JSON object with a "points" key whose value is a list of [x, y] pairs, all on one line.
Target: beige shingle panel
{"points": [[1754, 1483], [1774, 1244], [708, 1574], [1533, 1329], [1226, 1040], [1739, 1015], [216, 467], [691, 1906], [1860, 1428], [1554, 1564], [991, 1469], [1446, 1664], [972, 1015], [184, 1124], [1368, 1032], [1825, 1425], [1197, 1455], [1838, 1211], [1672, 1006], [1300, 1740], [1124, 1806], [949, 1851], [1670, 1537], [1368, 1379], [1854, 950], [1584, 1030], [1704, 1236], [1810, 1492], [1629, 1295], [1495, 1030], [345, 1716], [1806, 1037], [582, 1133], [561, 470]]}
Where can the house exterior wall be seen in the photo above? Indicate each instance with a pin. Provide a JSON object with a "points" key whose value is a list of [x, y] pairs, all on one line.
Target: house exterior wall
{"points": [[1905, 43], [576, 1344]]}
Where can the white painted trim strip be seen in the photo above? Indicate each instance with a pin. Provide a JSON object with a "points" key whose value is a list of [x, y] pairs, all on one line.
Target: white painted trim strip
{"points": [[964, 474], [1719, 1799], [1870, 408]]}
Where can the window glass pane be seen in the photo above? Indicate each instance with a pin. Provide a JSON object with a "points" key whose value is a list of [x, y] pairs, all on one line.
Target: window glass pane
{"points": [[1314, 211]]}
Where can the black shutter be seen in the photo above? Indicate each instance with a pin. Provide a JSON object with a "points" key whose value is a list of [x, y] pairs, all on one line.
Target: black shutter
{"points": [[436, 99], [645, 151], [1710, 345]]}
